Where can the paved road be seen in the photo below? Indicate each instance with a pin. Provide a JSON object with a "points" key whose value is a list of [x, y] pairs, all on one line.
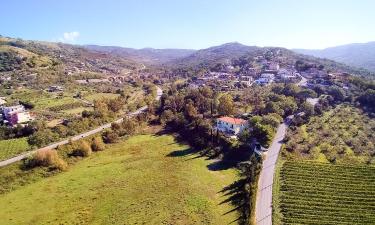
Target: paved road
{"points": [[263, 207], [77, 137]]}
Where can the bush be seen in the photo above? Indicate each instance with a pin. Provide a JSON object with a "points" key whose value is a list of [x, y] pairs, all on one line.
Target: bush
{"points": [[46, 158], [110, 137], [97, 144], [83, 150]]}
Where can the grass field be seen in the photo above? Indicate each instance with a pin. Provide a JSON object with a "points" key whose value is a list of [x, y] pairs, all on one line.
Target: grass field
{"points": [[322, 193], [12, 147], [95, 96], [42, 99], [143, 180], [78, 110]]}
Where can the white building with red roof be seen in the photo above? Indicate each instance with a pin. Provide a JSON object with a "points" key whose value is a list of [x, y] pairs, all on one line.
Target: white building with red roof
{"points": [[230, 125]]}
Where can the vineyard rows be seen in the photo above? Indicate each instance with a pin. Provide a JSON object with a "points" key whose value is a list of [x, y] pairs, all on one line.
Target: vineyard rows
{"points": [[317, 193]]}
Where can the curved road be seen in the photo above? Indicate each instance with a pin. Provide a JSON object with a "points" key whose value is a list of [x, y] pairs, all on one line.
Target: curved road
{"points": [[263, 206], [77, 137]]}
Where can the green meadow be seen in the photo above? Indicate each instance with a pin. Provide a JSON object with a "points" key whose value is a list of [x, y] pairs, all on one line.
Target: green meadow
{"points": [[145, 179]]}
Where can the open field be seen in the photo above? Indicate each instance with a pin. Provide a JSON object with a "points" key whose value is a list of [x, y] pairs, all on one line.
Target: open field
{"points": [[78, 110], [322, 193], [143, 180], [12, 147], [96, 96], [42, 99]]}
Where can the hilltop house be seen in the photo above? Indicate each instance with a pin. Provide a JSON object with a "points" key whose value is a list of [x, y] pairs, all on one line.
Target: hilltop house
{"points": [[230, 125]]}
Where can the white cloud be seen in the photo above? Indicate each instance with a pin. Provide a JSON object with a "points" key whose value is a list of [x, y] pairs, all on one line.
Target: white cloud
{"points": [[69, 36]]}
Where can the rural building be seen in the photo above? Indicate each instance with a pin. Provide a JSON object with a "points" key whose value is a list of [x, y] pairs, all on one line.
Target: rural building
{"points": [[230, 125], [7, 111], [247, 80], [19, 117], [265, 79], [16, 114]]}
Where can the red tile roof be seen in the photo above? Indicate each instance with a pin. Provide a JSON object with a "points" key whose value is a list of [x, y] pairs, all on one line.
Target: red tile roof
{"points": [[232, 120]]}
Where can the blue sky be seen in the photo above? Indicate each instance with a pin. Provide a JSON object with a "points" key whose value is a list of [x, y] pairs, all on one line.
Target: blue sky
{"points": [[191, 24]]}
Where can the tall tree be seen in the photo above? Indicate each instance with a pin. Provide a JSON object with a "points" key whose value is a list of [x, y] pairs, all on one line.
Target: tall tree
{"points": [[226, 105]]}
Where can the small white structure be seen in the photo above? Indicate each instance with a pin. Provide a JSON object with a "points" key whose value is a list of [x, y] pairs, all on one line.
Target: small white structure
{"points": [[20, 117], [286, 74], [274, 66], [265, 79], [7, 111], [16, 115], [230, 125], [2, 101], [247, 80]]}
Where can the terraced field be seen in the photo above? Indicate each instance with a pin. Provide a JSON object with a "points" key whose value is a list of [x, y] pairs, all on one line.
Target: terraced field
{"points": [[317, 193]]}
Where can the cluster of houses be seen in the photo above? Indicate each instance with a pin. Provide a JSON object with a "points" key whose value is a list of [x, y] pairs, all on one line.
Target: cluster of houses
{"points": [[13, 115], [269, 73]]}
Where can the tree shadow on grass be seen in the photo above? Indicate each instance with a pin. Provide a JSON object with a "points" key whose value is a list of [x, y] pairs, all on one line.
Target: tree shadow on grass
{"points": [[238, 197], [221, 165], [181, 153]]}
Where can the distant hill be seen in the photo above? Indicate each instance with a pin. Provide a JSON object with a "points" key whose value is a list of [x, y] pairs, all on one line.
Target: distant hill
{"points": [[35, 56], [217, 54], [358, 55], [145, 55]]}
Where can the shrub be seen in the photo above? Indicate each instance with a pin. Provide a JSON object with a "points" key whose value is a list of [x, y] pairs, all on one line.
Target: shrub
{"points": [[97, 144], [110, 137], [46, 158], [84, 149]]}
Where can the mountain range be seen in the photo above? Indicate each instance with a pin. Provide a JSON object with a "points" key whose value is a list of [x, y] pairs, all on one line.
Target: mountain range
{"points": [[145, 55], [18, 54], [361, 55]]}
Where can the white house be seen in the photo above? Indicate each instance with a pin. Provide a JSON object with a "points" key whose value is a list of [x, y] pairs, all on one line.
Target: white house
{"points": [[19, 117], [286, 74], [265, 78], [230, 125], [7, 111]]}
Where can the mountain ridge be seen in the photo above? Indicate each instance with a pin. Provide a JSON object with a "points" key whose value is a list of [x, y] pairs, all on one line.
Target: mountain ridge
{"points": [[361, 55]]}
